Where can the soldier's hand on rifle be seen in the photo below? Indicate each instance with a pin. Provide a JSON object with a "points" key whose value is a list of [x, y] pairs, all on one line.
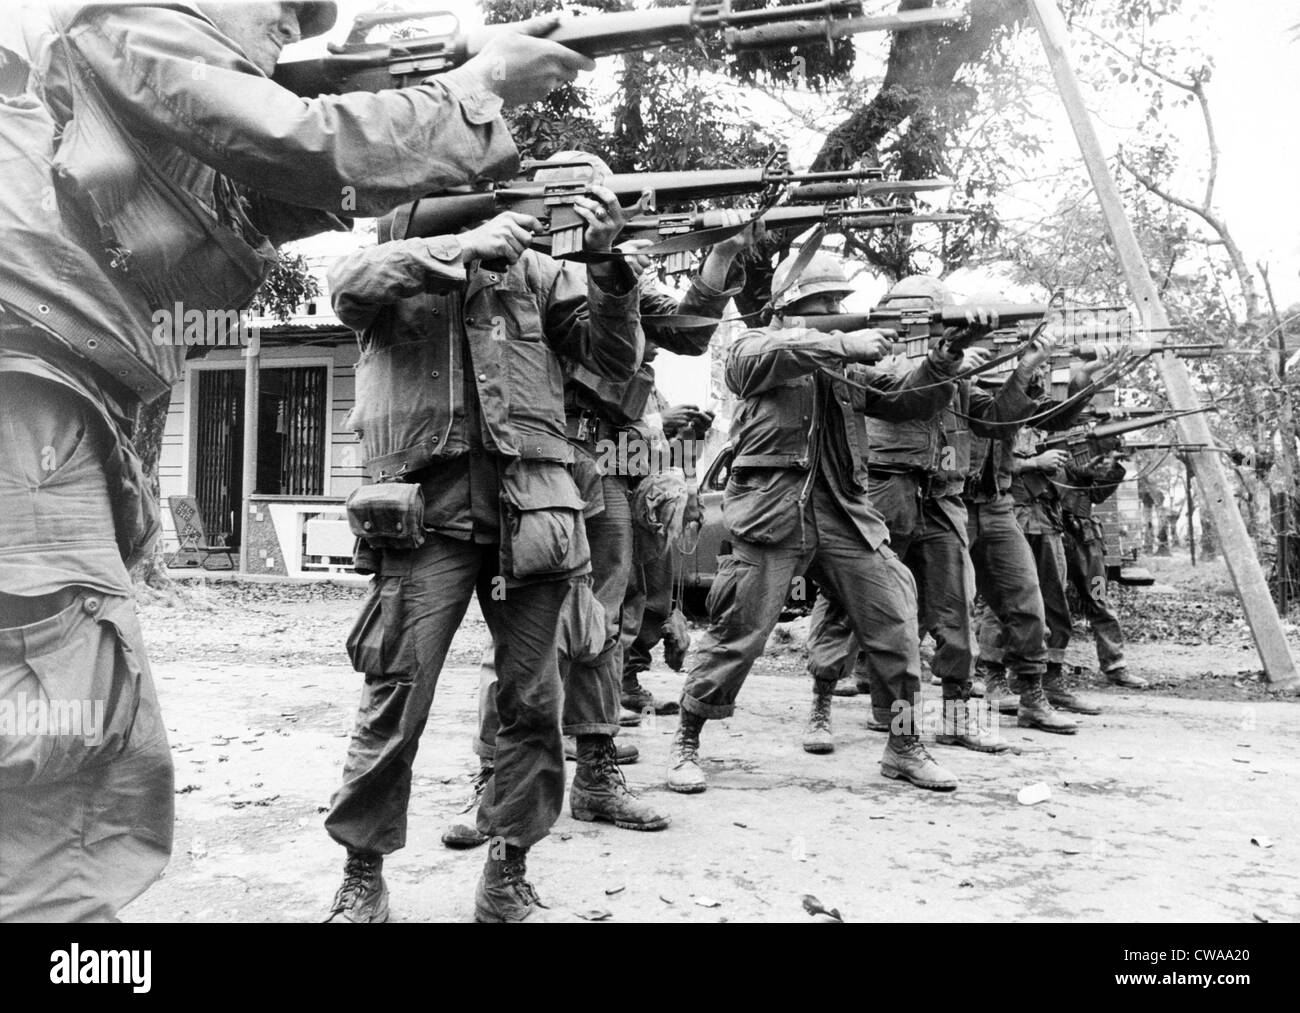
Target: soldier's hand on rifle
{"points": [[638, 262], [1049, 460], [504, 237], [677, 418], [1038, 352], [1105, 355], [604, 216], [866, 345], [742, 239], [520, 68]]}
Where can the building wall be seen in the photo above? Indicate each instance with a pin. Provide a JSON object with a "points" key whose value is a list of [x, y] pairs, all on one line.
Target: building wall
{"points": [[176, 463]]}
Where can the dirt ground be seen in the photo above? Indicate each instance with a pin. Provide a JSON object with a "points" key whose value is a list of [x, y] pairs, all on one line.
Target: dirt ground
{"points": [[1176, 804]]}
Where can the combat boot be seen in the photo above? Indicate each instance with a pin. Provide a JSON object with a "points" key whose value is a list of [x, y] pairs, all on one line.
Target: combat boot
{"points": [[684, 773], [1036, 710], [846, 687], [1123, 677], [962, 727], [817, 737], [363, 897], [505, 895], [1059, 696], [625, 751], [996, 689], [636, 697], [907, 758], [880, 720], [466, 835], [599, 791]]}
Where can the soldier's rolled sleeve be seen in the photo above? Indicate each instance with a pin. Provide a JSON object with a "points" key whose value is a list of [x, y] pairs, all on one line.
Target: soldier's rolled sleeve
{"points": [[177, 77], [365, 281]]}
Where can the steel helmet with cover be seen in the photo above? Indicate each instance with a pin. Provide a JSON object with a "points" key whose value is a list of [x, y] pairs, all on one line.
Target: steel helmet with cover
{"points": [[824, 273], [916, 291], [595, 161]]}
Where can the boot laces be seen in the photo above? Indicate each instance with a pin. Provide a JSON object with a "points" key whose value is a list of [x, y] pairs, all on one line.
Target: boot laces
{"points": [[359, 873], [513, 873]]}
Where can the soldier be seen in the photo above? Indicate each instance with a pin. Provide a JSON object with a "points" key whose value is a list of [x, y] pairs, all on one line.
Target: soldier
{"points": [[151, 167], [1085, 560], [460, 398], [796, 501], [917, 473], [649, 602], [1006, 573], [605, 424]]}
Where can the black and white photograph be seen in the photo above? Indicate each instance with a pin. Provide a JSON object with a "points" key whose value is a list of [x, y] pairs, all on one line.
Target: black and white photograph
{"points": [[644, 461]]}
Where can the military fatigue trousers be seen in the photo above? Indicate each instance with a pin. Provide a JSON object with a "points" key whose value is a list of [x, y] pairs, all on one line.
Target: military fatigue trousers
{"points": [[924, 538], [416, 605], [753, 583], [86, 784], [1006, 576], [1085, 561]]}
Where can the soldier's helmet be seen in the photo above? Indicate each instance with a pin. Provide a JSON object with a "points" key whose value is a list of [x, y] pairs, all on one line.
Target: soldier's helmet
{"points": [[824, 273], [600, 166], [917, 291], [316, 17]]}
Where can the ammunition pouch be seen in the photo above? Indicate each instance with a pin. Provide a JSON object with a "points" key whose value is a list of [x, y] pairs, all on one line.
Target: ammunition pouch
{"points": [[389, 515]]}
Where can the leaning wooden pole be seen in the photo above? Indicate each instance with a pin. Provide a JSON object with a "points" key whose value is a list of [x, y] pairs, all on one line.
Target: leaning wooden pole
{"points": [[1216, 494]]}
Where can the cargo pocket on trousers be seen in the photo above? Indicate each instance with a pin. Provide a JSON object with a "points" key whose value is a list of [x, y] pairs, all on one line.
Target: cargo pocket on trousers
{"points": [[82, 706], [375, 643], [542, 533]]}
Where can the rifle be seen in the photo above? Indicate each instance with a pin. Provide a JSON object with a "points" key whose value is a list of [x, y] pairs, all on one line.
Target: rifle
{"points": [[821, 193], [675, 236], [551, 199], [1001, 340], [914, 330], [360, 65], [1092, 439]]}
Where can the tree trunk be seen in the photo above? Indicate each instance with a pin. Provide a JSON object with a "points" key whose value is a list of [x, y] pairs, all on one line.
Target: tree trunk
{"points": [[150, 424]]}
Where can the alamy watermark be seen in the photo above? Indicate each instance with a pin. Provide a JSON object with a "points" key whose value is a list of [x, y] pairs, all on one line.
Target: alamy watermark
{"points": [[23, 717], [187, 328]]}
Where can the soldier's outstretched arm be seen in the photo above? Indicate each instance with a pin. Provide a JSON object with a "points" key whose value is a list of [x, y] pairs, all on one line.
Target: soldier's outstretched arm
{"points": [[762, 359], [171, 74]]}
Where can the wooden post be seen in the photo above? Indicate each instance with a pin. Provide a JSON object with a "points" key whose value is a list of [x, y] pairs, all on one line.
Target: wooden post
{"points": [[252, 397], [1191, 508], [1238, 551]]}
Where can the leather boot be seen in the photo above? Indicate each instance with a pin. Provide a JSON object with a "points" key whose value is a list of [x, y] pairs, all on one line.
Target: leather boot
{"points": [[505, 895], [1123, 677], [363, 897], [846, 687], [636, 697], [684, 773], [906, 758], [466, 835], [626, 752], [962, 727], [599, 791], [1059, 696], [1036, 710], [996, 689], [817, 737], [879, 720]]}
